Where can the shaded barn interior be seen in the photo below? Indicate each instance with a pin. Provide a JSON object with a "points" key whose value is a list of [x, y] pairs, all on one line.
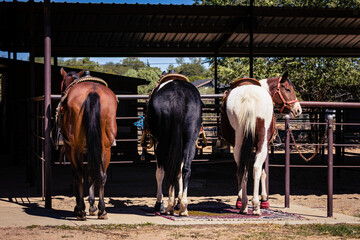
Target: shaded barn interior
{"points": [[15, 105]]}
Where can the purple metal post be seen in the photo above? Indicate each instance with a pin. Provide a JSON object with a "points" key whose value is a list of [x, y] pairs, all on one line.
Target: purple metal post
{"points": [[267, 174], [47, 102], [330, 166], [287, 161]]}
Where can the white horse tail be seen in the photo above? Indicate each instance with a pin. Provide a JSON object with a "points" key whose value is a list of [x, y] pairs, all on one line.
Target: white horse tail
{"points": [[244, 109], [246, 115]]}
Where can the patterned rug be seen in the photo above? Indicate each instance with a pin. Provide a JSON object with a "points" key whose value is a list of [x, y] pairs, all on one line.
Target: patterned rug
{"points": [[228, 213]]}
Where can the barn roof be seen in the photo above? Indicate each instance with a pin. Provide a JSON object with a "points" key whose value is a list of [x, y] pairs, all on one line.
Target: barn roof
{"points": [[106, 30]]}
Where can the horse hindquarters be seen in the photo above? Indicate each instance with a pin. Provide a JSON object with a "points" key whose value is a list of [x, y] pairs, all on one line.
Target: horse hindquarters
{"points": [[170, 157], [241, 111], [97, 175]]}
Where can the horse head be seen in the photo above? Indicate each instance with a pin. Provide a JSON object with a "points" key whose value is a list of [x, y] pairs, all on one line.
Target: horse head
{"points": [[285, 98], [68, 78]]}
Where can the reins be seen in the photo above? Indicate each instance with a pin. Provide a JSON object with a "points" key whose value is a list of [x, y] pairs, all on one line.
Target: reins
{"points": [[317, 149], [285, 103]]}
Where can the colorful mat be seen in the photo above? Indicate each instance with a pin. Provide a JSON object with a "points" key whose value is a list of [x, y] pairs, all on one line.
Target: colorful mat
{"points": [[228, 213]]}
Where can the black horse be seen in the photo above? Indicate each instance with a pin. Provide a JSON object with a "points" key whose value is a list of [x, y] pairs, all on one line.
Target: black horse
{"points": [[174, 120]]}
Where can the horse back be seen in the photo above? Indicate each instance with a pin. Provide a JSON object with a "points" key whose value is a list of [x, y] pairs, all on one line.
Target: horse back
{"points": [[227, 131], [176, 101], [74, 112]]}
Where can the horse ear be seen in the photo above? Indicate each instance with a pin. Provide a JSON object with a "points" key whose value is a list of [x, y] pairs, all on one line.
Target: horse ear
{"points": [[63, 72], [80, 73], [284, 77]]}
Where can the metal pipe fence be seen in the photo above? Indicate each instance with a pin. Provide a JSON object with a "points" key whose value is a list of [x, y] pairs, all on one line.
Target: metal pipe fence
{"points": [[211, 121]]}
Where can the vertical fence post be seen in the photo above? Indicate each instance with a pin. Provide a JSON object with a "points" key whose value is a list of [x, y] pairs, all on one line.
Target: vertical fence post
{"points": [[330, 166], [267, 174], [287, 161], [47, 102]]}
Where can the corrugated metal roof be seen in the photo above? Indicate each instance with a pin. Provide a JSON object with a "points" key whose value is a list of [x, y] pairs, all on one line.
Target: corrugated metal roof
{"points": [[180, 30]]}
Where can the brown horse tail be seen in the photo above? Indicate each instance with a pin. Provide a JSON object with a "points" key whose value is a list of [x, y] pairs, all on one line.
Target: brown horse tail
{"points": [[91, 121]]}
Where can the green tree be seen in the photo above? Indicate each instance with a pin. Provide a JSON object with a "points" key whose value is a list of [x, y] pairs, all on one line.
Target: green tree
{"points": [[284, 3], [194, 69], [315, 79]]}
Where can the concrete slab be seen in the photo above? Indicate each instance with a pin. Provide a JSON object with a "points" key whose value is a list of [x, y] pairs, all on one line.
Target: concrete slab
{"points": [[30, 211]]}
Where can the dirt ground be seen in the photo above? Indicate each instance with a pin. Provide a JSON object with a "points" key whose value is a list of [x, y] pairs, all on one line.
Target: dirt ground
{"points": [[125, 184], [343, 203]]}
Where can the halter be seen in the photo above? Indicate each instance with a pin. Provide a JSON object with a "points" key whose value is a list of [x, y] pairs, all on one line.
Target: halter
{"points": [[285, 103]]}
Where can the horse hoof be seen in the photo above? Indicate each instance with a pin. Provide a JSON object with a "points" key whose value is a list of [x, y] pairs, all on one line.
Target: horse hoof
{"points": [[238, 204], [159, 207], [169, 211], [257, 212], [265, 204], [92, 211], [81, 218], [184, 213], [244, 210], [103, 216]]}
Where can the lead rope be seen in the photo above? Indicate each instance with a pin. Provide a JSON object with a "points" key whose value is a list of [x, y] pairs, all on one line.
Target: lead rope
{"points": [[317, 149]]}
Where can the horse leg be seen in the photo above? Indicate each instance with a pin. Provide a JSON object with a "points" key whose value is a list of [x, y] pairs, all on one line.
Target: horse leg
{"points": [[171, 203], [257, 172], [78, 177], [102, 214], [189, 155], [181, 188], [91, 199], [264, 196], [242, 200], [159, 206]]}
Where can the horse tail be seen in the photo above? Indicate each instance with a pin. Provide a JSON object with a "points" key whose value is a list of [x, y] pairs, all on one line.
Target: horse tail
{"points": [[170, 155], [247, 119], [91, 121], [247, 114]]}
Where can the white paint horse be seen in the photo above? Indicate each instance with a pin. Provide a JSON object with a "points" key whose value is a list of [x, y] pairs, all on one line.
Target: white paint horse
{"points": [[248, 122]]}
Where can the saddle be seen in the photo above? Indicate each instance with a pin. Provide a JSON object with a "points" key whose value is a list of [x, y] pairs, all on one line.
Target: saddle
{"points": [[169, 77], [166, 78], [227, 132]]}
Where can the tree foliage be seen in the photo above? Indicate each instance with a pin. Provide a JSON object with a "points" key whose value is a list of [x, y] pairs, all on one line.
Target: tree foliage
{"points": [[284, 3], [315, 79], [194, 69], [134, 67]]}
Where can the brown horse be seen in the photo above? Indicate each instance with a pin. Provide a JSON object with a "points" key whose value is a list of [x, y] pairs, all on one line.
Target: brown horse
{"points": [[88, 124]]}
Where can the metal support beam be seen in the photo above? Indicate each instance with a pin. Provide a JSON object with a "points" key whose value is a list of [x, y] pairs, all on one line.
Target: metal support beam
{"points": [[330, 165], [216, 76], [251, 43], [287, 161], [47, 102]]}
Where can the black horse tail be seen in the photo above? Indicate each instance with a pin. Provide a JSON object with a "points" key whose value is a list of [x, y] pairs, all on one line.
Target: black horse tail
{"points": [[91, 121], [170, 155], [246, 155]]}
